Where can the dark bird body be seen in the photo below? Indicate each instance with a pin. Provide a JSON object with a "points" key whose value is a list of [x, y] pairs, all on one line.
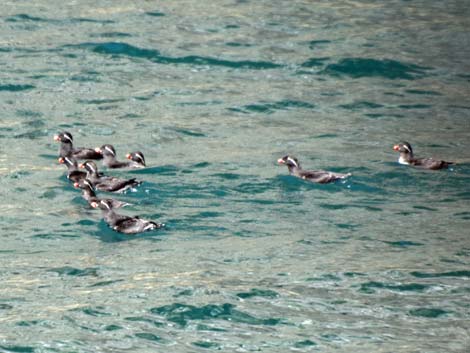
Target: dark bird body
{"points": [[89, 194], [125, 224], [66, 148], [407, 158], [136, 159], [317, 176], [107, 183], [73, 173]]}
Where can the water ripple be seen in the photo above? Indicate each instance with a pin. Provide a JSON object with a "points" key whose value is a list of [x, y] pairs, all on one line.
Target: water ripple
{"points": [[314, 62], [72, 271], [182, 314], [28, 18], [155, 13], [18, 349], [370, 287], [428, 312], [16, 88], [270, 108], [127, 50], [254, 292], [462, 273], [386, 68]]}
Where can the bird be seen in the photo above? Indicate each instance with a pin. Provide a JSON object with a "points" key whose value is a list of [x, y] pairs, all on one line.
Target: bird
{"points": [[107, 183], [136, 159], [407, 157], [73, 173], [89, 194], [67, 150], [124, 224], [318, 176]]}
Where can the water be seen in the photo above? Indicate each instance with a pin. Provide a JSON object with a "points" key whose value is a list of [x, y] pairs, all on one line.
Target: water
{"points": [[251, 258]]}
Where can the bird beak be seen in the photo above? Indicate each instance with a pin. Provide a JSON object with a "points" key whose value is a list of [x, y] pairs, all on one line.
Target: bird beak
{"points": [[281, 161], [98, 150], [94, 204], [61, 160], [81, 165], [75, 185], [56, 138], [396, 148], [128, 156]]}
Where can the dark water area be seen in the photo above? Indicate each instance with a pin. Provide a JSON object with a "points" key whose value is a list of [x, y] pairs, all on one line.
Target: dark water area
{"points": [[251, 258]]}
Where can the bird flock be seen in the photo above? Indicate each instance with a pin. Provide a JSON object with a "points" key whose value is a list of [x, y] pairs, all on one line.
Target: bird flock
{"points": [[90, 179]]}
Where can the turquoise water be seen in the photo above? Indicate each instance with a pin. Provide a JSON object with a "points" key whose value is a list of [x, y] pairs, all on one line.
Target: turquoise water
{"points": [[251, 259]]}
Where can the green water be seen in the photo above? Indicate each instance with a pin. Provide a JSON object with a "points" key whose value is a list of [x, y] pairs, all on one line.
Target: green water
{"points": [[251, 259]]}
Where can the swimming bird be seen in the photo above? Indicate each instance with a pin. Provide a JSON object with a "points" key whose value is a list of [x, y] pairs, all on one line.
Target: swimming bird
{"points": [[317, 176], [122, 223], [136, 160], [107, 183], [407, 157], [89, 194], [66, 148], [73, 173]]}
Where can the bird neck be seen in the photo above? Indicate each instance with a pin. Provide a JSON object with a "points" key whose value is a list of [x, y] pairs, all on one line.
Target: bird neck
{"points": [[88, 193], [90, 174], [72, 167], [109, 158], [109, 215], [65, 149], [405, 158], [294, 169]]}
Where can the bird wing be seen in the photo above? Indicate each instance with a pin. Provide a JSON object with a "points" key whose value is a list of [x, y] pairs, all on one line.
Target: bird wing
{"points": [[430, 163], [115, 184], [321, 176]]}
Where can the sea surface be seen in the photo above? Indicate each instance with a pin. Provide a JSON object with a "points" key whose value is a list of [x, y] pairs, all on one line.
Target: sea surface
{"points": [[251, 259]]}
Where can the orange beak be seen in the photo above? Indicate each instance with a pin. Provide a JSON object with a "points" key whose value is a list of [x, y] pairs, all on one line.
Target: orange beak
{"points": [[280, 161], [56, 138], [61, 160], [128, 156], [94, 204], [81, 166], [75, 185], [396, 147], [98, 150]]}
